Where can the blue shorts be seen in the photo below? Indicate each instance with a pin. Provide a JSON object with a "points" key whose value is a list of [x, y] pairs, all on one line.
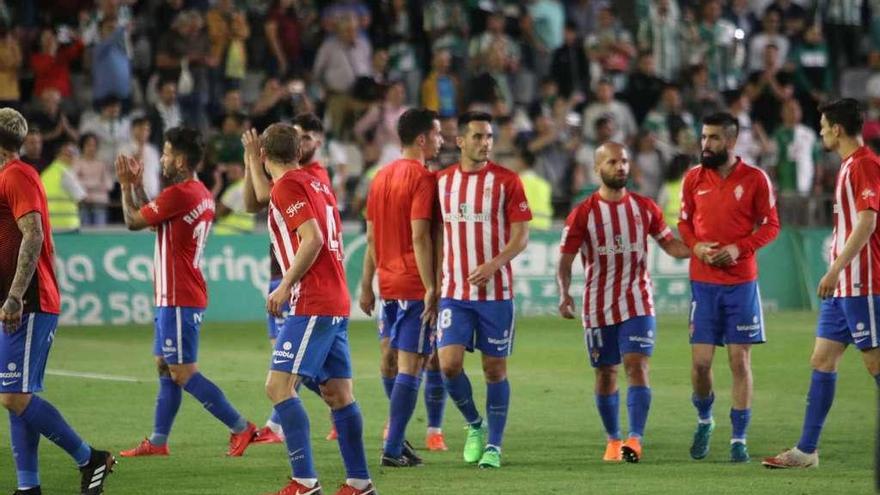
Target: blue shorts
{"points": [[408, 333], [606, 345], [484, 325], [176, 336], [850, 320], [23, 353], [273, 324], [726, 314], [386, 317], [313, 346]]}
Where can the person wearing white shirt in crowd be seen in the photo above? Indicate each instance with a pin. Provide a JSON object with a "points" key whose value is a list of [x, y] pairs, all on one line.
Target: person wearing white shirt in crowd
{"points": [[112, 128], [606, 104], [141, 149]]}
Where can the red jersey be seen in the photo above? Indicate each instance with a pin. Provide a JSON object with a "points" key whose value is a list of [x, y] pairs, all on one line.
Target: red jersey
{"points": [[477, 209], [739, 209], [182, 214], [612, 238], [858, 189], [21, 192], [403, 191], [317, 171], [296, 198]]}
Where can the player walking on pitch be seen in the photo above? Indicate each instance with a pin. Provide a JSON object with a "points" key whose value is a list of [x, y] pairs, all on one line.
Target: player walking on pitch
{"points": [[610, 230], [182, 215], [305, 230], [400, 213], [850, 289], [728, 212], [29, 317], [485, 225]]}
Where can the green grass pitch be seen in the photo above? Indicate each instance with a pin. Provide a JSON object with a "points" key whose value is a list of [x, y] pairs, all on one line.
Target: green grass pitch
{"points": [[554, 439]]}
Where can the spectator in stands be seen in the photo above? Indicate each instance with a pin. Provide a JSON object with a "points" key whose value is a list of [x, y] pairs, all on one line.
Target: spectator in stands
{"points": [[648, 165], [714, 41], [10, 68], [768, 88], [570, 67], [95, 178], [606, 104], [813, 76], [183, 54], [843, 28], [112, 128], [794, 17], [741, 14], [668, 118], [611, 47], [494, 33], [662, 35], [340, 60], [32, 149], [585, 180], [228, 29], [506, 148], [700, 98], [283, 29], [538, 191], [771, 34], [493, 87], [225, 151], [63, 190], [449, 153], [440, 91], [644, 87], [275, 104], [51, 64], [446, 24], [140, 147], [232, 216], [871, 129], [670, 195], [797, 150], [376, 130], [548, 17], [752, 143], [584, 14], [552, 160], [111, 64], [401, 33], [52, 121], [165, 113]]}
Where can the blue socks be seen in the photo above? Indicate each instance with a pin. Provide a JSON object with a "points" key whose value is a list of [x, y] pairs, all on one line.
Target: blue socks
{"points": [[819, 400], [704, 406], [609, 406], [403, 403], [350, 427], [215, 402], [435, 398], [739, 420], [638, 403], [25, 442], [388, 385], [497, 404], [459, 388], [167, 404], [42, 416], [295, 423]]}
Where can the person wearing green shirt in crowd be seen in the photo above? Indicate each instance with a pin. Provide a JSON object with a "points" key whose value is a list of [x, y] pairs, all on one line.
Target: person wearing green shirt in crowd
{"points": [[797, 152], [63, 189], [539, 192], [813, 72]]}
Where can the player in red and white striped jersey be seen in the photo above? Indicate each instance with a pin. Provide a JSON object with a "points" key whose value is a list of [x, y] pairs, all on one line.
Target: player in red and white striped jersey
{"points": [[850, 289], [485, 225], [182, 215], [610, 230]]}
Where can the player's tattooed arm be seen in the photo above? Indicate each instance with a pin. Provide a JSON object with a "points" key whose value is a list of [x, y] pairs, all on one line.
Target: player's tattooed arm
{"points": [[563, 281], [32, 237], [128, 176]]}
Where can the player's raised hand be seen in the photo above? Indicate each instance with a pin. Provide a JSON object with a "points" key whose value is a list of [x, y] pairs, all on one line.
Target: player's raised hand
{"points": [[367, 299], [10, 314], [704, 251], [828, 284], [724, 256], [251, 142], [566, 307], [482, 274], [275, 303], [136, 170], [123, 174]]}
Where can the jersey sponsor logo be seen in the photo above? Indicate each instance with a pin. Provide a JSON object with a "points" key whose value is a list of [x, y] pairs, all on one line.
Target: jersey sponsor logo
{"points": [[868, 193], [11, 376], [738, 192], [169, 349], [284, 354], [319, 186], [756, 325], [195, 213], [619, 247], [293, 209], [466, 214]]}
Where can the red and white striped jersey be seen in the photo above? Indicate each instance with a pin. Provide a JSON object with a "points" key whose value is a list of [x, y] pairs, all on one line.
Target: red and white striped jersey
{"points": [[478, 209], [612, 238], [182, 215], [858, 189], [296, 198]]}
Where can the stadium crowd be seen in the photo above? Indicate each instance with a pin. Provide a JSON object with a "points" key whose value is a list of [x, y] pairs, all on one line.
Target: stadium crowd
{"points": [[96, 78]]}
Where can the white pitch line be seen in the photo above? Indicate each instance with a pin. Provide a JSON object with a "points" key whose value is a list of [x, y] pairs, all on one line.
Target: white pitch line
{"points": [[93, 376]]}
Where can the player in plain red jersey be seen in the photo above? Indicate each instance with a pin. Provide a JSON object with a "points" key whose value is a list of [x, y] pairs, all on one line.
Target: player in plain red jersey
{"points": [[182, 215], [29, 318], [256, 197], [728, 212], [305, 230], [610, 230], [850, 289], [485, 225], [401, 205]]}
